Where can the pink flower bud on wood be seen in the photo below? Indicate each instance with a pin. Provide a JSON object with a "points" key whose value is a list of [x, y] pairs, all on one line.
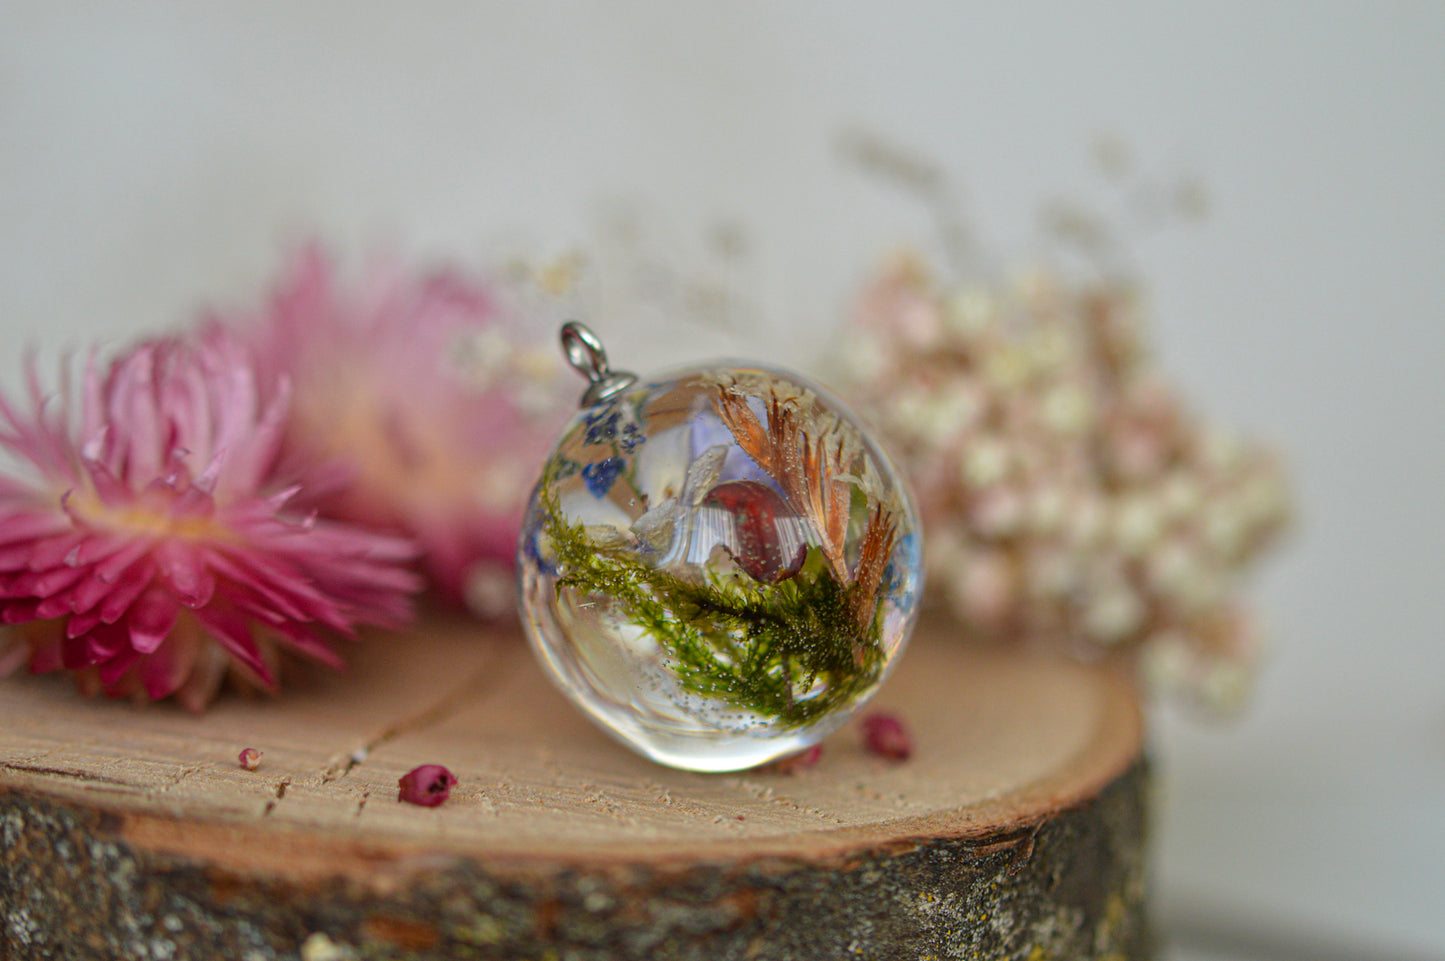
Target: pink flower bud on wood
{"points": [[885, 734], [794, 763], [428, 785]]}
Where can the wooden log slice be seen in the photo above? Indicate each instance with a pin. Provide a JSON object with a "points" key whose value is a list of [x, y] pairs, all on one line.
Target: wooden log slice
{"points": [[1015, 831]]}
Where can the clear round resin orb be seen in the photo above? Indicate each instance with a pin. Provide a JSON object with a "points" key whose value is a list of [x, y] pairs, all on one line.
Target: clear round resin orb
{"points": [[719, 567]]}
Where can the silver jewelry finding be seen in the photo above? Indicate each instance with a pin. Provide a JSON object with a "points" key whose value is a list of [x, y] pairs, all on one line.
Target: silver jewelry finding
{"points": [[586, 354]]}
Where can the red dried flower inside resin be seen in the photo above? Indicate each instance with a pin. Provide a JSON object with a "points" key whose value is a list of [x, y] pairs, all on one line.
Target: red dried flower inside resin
{"points": [[885, 734], [428, 785], [249, 758]]}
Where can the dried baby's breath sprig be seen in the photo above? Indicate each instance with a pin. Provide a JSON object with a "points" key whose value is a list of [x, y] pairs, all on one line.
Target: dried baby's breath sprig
{"points": [[1069, 494]]}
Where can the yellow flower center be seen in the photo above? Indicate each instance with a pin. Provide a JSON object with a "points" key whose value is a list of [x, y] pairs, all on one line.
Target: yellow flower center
{"points": [[145, 520]]}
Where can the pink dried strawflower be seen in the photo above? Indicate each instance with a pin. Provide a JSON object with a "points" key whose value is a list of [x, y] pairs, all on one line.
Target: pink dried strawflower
{"points": [[423, 404], [428, 785], [249, 758], [796, 763], [885, 735], [146, 545]]}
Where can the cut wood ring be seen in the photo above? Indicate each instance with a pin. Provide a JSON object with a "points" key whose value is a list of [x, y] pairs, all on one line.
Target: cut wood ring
{"points": [[1015, 831]]}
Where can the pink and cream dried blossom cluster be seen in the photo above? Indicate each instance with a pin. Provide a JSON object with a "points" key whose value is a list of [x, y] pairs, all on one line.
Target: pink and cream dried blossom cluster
{"points": [[1069, 494]]}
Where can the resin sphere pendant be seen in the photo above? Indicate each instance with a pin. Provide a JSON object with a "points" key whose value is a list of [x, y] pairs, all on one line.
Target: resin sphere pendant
{"points": [[718, 565]]}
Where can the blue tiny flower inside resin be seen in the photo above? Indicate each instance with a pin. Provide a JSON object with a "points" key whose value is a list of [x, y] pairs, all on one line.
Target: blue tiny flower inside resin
{"points": [[602, 425], [600, 475], [631, 437]]}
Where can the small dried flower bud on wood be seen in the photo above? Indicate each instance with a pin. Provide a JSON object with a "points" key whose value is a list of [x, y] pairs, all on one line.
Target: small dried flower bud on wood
{"points": [[428, 785], [885, 734], [250, 758], [793, 763]]}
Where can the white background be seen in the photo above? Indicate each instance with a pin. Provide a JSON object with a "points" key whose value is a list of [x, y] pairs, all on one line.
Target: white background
{"points": [[154, 158]]}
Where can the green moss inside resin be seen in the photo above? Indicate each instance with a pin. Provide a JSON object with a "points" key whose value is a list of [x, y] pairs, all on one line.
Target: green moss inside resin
{"points": [[792, 651]]}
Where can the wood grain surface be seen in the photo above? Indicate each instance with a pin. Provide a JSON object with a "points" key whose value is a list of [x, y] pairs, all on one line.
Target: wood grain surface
{"points": [[1020, 815]]}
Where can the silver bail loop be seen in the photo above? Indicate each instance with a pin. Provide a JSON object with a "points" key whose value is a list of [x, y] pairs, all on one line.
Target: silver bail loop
{"points": [[587, 356]]}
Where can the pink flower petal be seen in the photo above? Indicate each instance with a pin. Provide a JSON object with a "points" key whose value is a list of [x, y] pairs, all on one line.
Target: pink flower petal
{"points": [[112, 567], [96, 547], [185, 571], [168, 666], [233, 631], [109, 489], [108, 640], [51, 608], [52, 551], [76, 653], [44, 583], [82, 623], [18, 612], [309, 643], [25, 526], [267, 582], [194, 502], [127, 587], [113, 669], [151, 618], [15, 558], [87, 596]]}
